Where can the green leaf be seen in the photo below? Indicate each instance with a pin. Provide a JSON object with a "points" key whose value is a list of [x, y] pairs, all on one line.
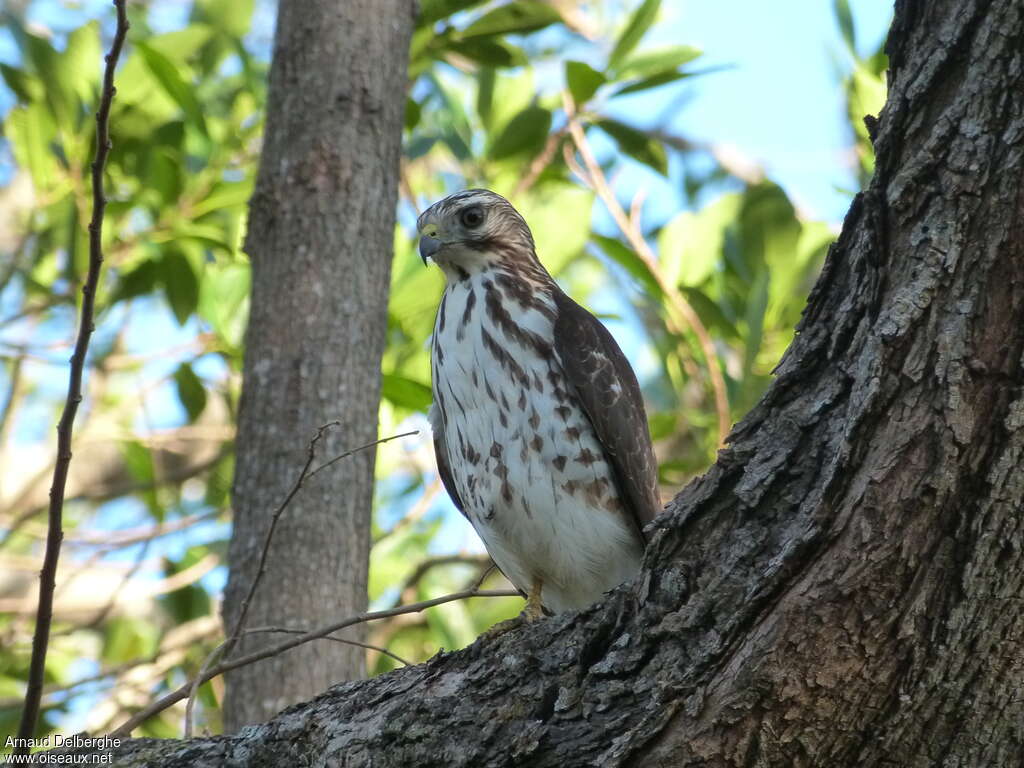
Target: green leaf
{"points": [[208, 235], [489, 51], [518, 17], [59, 96], [583, 81], [657, 61], [413, 112], [181, 45], [648, 83], [224, 194], [171, 80], [230, 16], [627, 259], [485, 80], [26, 87], [636, 144], [435, 10], [559, 215], [406, 393], [846, 26], [191, 391], [757, 304], [181, 287], [638, 24], [139, 461], [690, 244], [136, 282], [30, 130], [524, 132], [223, 300], [82, 59], [710, 313], [129, 639]]}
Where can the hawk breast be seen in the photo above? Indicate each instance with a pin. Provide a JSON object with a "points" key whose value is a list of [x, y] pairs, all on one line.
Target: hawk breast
{"points": [[517, 445]]}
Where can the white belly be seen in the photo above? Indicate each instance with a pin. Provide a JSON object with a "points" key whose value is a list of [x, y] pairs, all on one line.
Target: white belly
{"points": [[525, 462]]}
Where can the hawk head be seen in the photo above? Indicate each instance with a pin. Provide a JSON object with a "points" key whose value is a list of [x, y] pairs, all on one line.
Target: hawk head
{"points": [[472, 230]]}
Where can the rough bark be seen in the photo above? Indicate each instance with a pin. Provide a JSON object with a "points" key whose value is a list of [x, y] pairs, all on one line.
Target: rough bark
{"points": [[320, 237], [844, 586]]}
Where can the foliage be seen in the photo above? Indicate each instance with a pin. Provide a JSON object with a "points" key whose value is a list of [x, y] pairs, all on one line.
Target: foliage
{"points": [[147, 524]]}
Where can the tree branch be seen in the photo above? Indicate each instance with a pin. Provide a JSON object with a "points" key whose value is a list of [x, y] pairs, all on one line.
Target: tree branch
{"points": [[265, 653], [47, 577]]}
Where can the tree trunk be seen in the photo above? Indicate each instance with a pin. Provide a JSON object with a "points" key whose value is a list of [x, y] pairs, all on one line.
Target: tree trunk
{"points": [[843, 587], [321, 228]]}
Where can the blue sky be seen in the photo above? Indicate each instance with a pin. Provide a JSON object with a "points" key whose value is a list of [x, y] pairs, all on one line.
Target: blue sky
{"points": [[779, 103]]}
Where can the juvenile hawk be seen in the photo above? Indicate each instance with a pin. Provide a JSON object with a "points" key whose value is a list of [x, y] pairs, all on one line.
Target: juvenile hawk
{"points": [[539, 426]]}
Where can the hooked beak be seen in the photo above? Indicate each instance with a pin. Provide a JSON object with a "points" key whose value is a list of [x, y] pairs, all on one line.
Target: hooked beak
{"points": [[428, 247]]}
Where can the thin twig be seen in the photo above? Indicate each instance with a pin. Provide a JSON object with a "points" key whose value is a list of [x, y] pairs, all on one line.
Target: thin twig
{"points": [[335, 638], [265, 653], [596, 178], [346, 454], [47, 577]]}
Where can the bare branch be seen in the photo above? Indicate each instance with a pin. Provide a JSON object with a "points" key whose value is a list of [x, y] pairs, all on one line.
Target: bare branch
{"points": [[47, 577], [335, 638], [265, 653]]}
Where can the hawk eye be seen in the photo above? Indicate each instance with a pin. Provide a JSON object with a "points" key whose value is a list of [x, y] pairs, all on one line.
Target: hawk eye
{"points": [[472, 217]]}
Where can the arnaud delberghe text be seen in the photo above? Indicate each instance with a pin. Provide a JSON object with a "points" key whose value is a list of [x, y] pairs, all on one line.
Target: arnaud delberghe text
{"points": [[102, 744]]}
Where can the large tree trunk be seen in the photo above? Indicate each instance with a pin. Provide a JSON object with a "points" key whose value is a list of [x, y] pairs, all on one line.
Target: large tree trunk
{"points": [[843, 588], [321, 228]]}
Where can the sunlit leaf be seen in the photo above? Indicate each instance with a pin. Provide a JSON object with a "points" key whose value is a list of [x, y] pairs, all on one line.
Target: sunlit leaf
{"points": [[167, 74], [657, 61], [690, 244], [59, 95], [231, 16], [636, 28], [223, 300], [83, 58], [406, 393], [559, 215], [30, 129], [224, 194], [129, 639], [583, 81], [519, 17]]}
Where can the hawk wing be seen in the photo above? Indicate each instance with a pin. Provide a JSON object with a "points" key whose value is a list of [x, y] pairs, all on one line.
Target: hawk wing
{"points": [[609, 393], [441, 456]]}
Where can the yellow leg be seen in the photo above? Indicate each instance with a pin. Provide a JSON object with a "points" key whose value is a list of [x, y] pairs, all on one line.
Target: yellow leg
{"points": [[534, 610]]}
